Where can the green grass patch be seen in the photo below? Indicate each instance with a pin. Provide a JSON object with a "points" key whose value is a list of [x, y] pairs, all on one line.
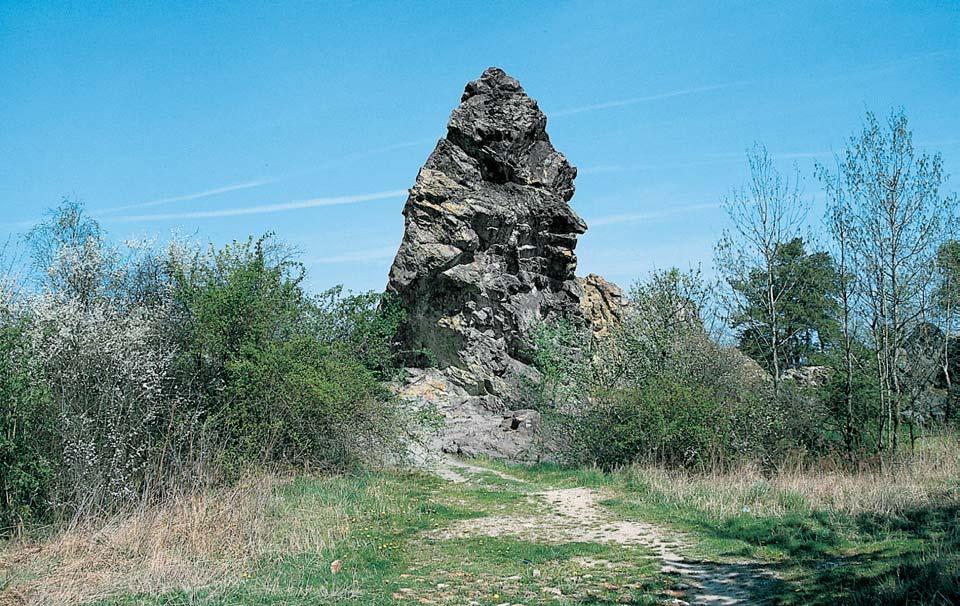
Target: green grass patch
{"points": [[824, 557], [552, 475], [390, 556]]}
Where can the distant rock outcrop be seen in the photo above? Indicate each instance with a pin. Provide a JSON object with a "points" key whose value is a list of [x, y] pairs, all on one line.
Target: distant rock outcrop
{"points": [[602, 304], [808, 376], [489, 239]]}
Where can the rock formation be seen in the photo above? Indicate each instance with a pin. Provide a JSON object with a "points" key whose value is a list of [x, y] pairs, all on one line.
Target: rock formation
{"points": [[602, 304], [488, 244], [473, 425]]}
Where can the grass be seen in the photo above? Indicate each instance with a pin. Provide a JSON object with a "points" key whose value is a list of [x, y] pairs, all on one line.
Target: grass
{"points": [[887, 536], [273, 542], [832, 537]]}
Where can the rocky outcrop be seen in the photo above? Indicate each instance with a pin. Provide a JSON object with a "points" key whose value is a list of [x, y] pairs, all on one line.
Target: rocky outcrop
{"points": [[489, 239], [602, 304], [809, 377], [487, 254], [472, 425]]}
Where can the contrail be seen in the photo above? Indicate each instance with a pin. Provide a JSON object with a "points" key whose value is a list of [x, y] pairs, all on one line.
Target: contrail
{"points": [[193, 196], [264, 181], [262, 209], [637, 100]]}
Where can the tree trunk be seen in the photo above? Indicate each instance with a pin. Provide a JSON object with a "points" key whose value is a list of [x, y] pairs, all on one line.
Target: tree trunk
{"points": [[774, 328]]}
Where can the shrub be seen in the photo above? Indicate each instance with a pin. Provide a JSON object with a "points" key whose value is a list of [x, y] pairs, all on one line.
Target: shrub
{"points": [[128, 372], [301, 401], [100, 347], [243, 296], [661, 421], [285, 378], [852, 421], [120, 418], [659, 389], [27, 433]]}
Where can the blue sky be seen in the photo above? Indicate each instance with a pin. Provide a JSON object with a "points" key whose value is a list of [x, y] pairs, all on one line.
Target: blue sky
{"points": [[219, 120]]}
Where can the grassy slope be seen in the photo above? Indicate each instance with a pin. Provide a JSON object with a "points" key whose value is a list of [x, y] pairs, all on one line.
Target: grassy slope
{"points": [[378, 526], [912, 557]]}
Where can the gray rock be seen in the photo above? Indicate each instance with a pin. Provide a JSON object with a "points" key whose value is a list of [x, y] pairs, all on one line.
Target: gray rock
{"points": [[472, 425], [489, 239], [808, 376]]}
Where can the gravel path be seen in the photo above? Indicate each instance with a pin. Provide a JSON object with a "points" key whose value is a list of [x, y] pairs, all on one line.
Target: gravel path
{"points": [[575, 515]]}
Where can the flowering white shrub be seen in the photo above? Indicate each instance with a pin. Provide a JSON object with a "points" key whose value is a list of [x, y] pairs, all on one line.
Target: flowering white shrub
{"points": [[144, 372], [101, 333], [110, 376]]}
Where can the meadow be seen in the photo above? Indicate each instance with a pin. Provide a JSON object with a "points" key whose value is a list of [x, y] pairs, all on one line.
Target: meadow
{"points": [[486, 535]]}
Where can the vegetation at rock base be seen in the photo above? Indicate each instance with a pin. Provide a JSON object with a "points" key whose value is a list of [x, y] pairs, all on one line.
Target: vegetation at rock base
{"points": [[852, 345]]}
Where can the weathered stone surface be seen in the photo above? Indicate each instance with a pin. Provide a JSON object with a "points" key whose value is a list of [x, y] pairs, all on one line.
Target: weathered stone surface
{"points": [[472, 425], [749, 371], [489, 239], [602, 303]]}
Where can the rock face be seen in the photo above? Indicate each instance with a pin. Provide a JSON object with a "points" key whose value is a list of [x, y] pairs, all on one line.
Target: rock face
{"points": [[473, 425], [602, 304], [489, 239], [808, 376]]}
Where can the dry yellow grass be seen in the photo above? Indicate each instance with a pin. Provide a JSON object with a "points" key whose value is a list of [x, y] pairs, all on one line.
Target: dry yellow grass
{"points": [[930, 474], [200, 540]]}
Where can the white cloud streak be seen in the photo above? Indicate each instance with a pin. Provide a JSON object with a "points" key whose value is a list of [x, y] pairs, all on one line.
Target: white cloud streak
{"points": [[194, 196], [262, 209], [650, 216], [645, 99], [263, 181], [876, 69]]}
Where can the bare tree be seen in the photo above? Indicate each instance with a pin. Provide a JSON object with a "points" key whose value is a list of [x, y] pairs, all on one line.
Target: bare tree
{"points": [[948, 301], [894, 218], [839, 227], [766, 214]]}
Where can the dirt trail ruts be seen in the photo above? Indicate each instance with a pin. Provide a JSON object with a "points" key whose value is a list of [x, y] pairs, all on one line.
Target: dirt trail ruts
{"points": [[575, 515]]}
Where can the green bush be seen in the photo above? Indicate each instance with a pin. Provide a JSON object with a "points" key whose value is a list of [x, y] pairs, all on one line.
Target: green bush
{"points": [[852, 422], [285, 378], [129, 372], [659, 389], [301, 401], [27, 435], [662, 421], [363, 324], [245, 295]]}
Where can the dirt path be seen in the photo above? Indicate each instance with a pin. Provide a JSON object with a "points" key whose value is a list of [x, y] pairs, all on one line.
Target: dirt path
{"points": [[575, 515]]}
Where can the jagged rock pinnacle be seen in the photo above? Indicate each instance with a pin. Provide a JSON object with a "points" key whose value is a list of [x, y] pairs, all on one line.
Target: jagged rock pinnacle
{"points": [[489, 239]]}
